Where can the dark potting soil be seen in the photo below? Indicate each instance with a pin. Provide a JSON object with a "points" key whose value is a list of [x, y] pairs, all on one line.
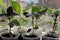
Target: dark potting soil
{"points": [[8, 35], [0, 38], [30, 36]]}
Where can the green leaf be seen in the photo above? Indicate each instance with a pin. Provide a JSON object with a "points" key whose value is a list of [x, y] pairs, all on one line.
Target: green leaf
{"points": [[15, 22], [25, 9], [3, 11], [43, 10], [35, 9], [16, 6], [23, 21], [37, 16], [49, 11], [57, 12], [11, 17]]}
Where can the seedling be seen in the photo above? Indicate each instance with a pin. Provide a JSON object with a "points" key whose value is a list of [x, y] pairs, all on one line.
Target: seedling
{"points": [[8, 15], [18, 9], [54, 14], [36, 13], [52, 34]]}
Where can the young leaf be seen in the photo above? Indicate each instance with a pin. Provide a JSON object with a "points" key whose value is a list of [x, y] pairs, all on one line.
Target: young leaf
{"points": [[25, 9], [43, 10], [11, 17], [35, 9], [23, 21], [15, 22], [57, 12], [3, 11], [49, 11], [37, 15], [16, 6], [10, 12]]}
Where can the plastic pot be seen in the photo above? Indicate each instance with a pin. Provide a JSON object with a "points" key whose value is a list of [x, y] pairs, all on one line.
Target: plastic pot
{"points": [[10, 38], [49, 38], [30, 38]]}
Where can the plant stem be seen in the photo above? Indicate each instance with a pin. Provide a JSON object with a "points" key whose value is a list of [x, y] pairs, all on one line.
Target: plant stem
{"points": [[11, 35], [55, 24], [33, 24], [20, 19], [36, 23], [19, 22], [3, 25]]}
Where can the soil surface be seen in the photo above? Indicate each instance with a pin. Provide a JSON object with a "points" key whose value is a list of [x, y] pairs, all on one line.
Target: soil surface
{"points": [[8, 35], [30, 36]]}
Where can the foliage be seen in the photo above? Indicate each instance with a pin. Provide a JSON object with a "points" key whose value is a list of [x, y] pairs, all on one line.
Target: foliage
{"points": [[25, 9], [35, 9], [15, 22], [49, 11], [57, 12], [43, 10], [23, 21], [40, 11], [16, 6], [3, 11]]}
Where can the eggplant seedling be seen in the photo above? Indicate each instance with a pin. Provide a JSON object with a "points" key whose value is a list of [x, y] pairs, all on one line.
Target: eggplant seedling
{"points": [[36, 13], [54, 14], [9, 15], [19, 9], [52, 35]]}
